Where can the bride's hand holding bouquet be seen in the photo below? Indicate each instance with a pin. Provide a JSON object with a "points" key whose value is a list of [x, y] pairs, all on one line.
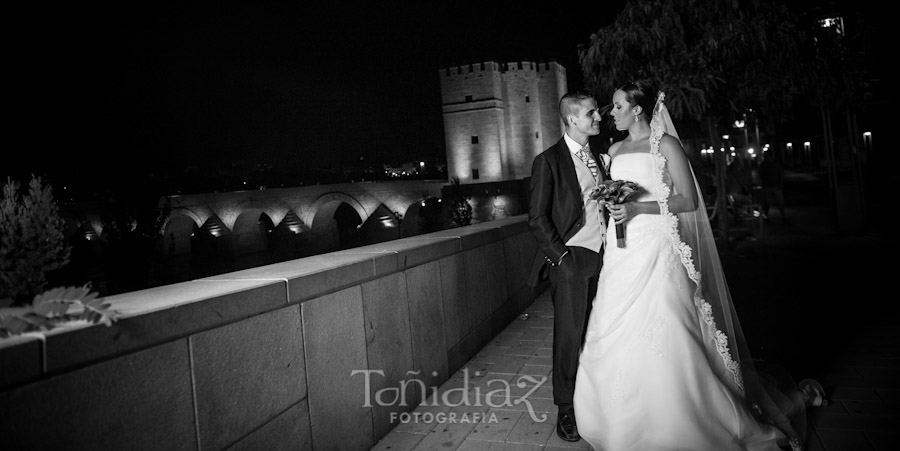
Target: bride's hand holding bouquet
{"points": [[616, 193]]}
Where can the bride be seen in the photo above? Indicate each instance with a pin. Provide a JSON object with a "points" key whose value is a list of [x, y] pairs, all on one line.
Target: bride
{"points": [[664, 364]]}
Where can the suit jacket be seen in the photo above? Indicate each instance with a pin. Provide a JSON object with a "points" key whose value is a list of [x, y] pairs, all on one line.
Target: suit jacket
{"points": [[556, 208]]}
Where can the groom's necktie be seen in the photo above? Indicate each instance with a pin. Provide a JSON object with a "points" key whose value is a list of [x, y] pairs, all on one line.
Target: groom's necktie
{"points": [[585, 154]]}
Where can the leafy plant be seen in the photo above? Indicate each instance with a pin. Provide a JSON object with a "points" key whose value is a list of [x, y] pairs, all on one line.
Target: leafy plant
{"points": [[458, 204], [54, 307], [31, 240]]}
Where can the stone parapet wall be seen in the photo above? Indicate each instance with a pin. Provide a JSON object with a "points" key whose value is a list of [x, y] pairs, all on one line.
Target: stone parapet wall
{"points": [[284, 356]]}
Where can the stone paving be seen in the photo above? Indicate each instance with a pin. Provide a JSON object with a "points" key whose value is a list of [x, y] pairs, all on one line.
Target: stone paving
{"points": [[814, 301]]}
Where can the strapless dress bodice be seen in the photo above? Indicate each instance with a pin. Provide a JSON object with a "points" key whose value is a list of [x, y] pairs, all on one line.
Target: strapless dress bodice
{"points": [[635, 167]]}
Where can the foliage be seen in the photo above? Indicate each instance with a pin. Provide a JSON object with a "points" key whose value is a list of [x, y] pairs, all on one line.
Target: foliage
{"points": [[837, 77], [31, 240], [717, 61], [458, 204], [711, 58], [54, 307]]}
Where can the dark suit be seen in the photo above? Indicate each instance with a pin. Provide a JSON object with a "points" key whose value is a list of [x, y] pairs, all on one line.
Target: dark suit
{"points": [[555, 214]]}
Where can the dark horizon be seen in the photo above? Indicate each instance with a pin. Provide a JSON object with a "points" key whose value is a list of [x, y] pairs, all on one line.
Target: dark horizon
{"points": [[275, 84], [152, 88]]}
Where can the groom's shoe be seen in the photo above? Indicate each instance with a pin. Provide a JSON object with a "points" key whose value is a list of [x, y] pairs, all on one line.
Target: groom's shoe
{"points": [[566, 428]]}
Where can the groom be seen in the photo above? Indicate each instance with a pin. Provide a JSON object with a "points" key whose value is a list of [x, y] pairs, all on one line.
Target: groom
{"points": [[570, 230]]}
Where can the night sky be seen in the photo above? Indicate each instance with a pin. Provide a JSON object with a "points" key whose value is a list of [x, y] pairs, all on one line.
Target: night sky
{"points": [[139, 87]]}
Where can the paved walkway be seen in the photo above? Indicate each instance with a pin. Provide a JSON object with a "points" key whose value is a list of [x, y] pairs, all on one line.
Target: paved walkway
{"points": [[814, 301]]}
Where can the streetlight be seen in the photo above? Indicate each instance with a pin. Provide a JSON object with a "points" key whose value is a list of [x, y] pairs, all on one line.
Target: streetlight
{"points": [[742, 124], [867, 141]]}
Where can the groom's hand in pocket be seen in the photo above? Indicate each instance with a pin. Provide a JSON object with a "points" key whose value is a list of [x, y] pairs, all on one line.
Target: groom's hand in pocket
{"points": [[567, 263]]}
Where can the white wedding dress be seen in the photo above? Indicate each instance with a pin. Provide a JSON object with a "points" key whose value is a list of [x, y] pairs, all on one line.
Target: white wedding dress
{"points": [[656, 372]]}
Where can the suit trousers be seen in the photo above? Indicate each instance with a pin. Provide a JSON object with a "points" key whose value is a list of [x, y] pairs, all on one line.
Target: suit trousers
{"points": [[573, 285]]}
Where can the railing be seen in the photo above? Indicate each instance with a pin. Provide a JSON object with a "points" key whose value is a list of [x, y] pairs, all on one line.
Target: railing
{"points": [[307, 353]]}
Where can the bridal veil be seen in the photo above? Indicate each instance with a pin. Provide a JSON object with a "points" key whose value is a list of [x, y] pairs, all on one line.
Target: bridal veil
{"points": [[768, 392]]}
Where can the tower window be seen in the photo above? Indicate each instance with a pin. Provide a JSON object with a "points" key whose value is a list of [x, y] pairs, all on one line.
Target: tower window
{"points": [[474, 174], [527, 99], [475, 140], [468, 98], [537, 135]]}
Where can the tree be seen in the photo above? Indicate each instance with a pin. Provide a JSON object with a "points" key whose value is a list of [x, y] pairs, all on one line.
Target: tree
{"points": [[714, 60], [457, 203], [31, 240], [839, 82]]}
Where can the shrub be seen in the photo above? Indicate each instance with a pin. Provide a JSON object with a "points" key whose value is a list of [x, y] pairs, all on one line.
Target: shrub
{"points": [[31, 240]]}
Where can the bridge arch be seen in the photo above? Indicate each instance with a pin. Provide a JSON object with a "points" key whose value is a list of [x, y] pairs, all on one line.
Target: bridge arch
{"points": [[177, 232], [197, 218], [251, 230], [329, 221], [423, 216]]}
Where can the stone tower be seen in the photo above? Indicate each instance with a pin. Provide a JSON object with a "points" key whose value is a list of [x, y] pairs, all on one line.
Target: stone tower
{"points": [[499, 116]]}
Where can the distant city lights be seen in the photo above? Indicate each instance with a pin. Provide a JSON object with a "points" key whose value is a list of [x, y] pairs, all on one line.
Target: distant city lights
{"points": [[837, 23]]}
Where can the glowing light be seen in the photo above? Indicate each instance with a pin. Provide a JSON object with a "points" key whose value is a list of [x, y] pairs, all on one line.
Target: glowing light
{"points": [[387, 221], [836, 23], [866, 134], [724, 136]]}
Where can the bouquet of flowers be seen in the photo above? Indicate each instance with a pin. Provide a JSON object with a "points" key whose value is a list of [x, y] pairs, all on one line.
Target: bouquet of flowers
{"points": [[616, 192]]}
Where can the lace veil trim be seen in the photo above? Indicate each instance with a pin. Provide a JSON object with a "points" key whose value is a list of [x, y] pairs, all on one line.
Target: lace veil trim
{"points": [[661, 124]]}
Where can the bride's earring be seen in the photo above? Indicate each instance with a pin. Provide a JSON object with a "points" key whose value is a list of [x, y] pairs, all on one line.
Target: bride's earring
{"points": [[637, 118]]}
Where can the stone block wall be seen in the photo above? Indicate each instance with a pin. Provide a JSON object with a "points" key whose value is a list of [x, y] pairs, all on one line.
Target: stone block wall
{"points": [[295, 355]]}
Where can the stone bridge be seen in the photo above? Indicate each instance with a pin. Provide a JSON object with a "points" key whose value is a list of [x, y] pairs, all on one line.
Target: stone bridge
{"points": [[283, 223], [325, 214]]}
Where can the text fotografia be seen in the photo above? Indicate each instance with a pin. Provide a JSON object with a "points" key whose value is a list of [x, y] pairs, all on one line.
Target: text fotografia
{"points": [[499, 395], [444, 417]]}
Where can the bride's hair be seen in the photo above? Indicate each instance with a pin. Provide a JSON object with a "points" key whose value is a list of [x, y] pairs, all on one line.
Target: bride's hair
{"points": [[643, 93]]}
